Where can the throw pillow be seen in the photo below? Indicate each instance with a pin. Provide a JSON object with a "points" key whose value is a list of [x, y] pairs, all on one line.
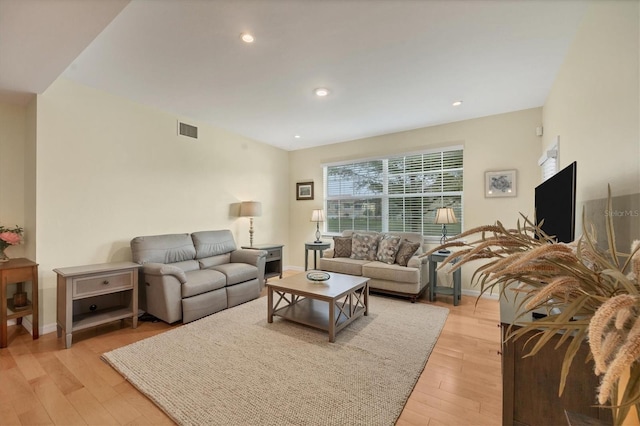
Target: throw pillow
{"points": [[406, 250], [341, 246], [388, 248], [364, 246]]}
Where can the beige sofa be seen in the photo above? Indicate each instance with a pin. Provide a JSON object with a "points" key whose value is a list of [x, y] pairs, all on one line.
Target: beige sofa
{"points": [[188, 276], [409, 281]]}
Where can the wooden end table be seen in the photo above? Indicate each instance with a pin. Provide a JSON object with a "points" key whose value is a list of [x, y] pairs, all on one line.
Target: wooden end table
{"points": [[273, 263], [92, 295], [315, 247], [17, 271], [434, 288]]}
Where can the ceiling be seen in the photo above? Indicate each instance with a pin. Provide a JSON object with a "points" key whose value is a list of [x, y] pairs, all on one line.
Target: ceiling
{"points": [[390, 65]]}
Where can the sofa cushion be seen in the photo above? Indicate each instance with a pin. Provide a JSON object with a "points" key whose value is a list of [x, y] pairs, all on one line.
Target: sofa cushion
{"points": [[237, 272], [208, 262], [213, 243], [169, 248], [406, 250], [364, 246], [202, 281], [187, 265], [342, 265], [387, 248], [395, 272], [341, 247]]}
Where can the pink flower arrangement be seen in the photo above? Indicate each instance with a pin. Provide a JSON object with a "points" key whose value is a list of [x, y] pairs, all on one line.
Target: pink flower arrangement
{"points": [[10, 236]]}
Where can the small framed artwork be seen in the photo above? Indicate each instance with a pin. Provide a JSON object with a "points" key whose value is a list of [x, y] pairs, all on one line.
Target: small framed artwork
{"points": [[304, 191], [500, 184]]}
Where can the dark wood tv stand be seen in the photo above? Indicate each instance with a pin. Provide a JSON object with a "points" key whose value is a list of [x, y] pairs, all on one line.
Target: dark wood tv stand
{"points": [[530, 385]]}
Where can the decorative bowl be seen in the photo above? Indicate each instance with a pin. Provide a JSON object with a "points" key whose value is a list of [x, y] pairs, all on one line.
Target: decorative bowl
{"points": [[318, 276]]}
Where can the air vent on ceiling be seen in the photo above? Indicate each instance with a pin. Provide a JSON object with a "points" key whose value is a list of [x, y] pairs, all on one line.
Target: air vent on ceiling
{"points": [[188, 130]]}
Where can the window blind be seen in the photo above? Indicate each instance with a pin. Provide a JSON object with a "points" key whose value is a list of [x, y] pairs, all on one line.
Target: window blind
{"points": [[398, 193], [549, 162]]}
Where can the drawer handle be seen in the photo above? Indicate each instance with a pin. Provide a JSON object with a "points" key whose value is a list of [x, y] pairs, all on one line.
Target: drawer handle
{"points": [[105, 282]]}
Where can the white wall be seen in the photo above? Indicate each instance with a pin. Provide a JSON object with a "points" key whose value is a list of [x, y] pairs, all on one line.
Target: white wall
{"points": [[593, 104], [500, 142], [109, 169], [12, 176], [30, 173]]}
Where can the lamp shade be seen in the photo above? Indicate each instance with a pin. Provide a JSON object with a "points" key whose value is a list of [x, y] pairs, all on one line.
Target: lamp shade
{"points": [[250, 209], [317, 216], [446, 215]]}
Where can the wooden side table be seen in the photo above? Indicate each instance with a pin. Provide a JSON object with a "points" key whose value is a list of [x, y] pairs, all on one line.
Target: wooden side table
{"points": [[17, 271], [315, 247], [273, 265], [434, 288], [96, 294]]}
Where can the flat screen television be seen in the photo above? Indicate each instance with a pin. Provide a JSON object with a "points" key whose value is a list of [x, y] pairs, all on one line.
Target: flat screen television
{"points": [[556, 204]]}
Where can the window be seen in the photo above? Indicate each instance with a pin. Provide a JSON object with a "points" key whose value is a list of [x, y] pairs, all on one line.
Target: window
{"points": [[399, 193]]}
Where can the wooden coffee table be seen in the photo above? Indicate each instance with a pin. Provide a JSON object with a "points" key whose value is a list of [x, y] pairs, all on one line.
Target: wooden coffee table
{"points": [[328, 305]]}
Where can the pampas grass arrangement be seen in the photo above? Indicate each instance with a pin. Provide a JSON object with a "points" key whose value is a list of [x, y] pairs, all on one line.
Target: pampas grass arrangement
{"points": [[596, 292]]}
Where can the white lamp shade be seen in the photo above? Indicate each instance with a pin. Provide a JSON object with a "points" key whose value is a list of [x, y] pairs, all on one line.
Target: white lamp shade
{"points": [[446, 215], [250, 209], [317, 216]]}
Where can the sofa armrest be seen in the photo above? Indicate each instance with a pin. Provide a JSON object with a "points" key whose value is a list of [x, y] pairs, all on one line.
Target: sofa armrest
{"points": [[418, 262], [257, 258], [164, 269], [328, 253], [250, 256], [421, 263]]}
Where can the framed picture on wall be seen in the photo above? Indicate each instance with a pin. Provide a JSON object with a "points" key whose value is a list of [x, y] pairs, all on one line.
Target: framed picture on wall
{"points": [[304, 191], [500, 184]]}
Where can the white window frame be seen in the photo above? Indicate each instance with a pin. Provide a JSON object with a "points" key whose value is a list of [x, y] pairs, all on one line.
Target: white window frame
{"points": [[549, 161], [385, 196]]}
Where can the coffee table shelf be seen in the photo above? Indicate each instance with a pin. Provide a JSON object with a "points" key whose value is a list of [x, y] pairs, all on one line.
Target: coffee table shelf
{"points": [[315, 313]]}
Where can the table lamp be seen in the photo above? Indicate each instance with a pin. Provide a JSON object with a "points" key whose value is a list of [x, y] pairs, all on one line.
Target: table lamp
{"points": [[445, 216], [250, 209], [317, 216]]}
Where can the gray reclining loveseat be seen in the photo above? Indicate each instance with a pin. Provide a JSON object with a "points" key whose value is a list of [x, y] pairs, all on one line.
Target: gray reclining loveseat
{"points": [[188, 276]]}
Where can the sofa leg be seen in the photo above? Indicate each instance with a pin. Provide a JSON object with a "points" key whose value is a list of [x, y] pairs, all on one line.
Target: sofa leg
{"points": [[413, 299]]}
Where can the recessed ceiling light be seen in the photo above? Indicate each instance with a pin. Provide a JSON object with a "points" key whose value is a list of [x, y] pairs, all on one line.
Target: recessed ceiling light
{"points": [[457, 103], [247, 38], [321, 91], [297, 136]]}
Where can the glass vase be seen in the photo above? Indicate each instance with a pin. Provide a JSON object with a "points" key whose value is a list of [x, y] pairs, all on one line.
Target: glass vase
{"points": [[3, 256]]}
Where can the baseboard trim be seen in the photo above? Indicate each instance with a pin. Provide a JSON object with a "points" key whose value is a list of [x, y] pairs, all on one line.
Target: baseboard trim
{"points": [[45, 329], [476, 293], [51, 328]]}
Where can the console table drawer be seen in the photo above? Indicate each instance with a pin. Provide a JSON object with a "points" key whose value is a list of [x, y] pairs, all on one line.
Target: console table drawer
{"points": [[102, 284], [274, 254], [18, 275]]}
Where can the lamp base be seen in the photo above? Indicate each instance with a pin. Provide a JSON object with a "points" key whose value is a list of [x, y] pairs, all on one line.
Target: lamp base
{"points": [[444, 251]]}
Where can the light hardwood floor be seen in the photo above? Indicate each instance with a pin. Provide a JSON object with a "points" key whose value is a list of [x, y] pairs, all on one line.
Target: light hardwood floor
{"points": [[42, 383]]}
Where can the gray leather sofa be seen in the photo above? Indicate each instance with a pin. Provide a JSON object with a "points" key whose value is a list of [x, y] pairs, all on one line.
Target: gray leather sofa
{"points": [[188, 276], [408, 281]]}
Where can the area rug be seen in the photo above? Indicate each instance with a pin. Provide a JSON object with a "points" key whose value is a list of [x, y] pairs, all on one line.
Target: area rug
{"points": [[234, 368]]}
